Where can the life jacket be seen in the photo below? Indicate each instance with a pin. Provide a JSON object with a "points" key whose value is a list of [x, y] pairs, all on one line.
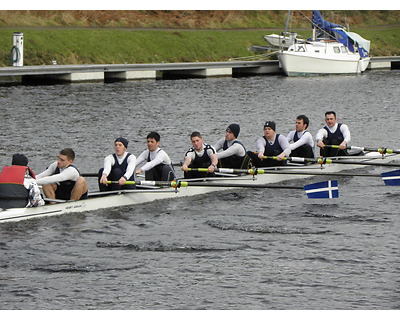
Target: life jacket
{"points": [[235, 162], [304, 151], [13, 193], [333, 138]]}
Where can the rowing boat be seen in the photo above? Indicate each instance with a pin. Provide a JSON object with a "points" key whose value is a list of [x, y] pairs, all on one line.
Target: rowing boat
{"points": [[102, 200]]}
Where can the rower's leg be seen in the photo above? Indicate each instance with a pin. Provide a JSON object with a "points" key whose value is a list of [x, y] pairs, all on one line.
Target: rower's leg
{"points": [[102, 187], [167, 173], [79, 189], [49, 190]]}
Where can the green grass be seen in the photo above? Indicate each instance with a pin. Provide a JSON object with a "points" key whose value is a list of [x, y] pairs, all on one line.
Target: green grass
{"points": [[385, 41], [114, 46], [89, 46]]}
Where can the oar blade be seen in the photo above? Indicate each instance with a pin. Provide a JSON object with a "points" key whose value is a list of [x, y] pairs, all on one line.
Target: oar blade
{"points": [[391, 178], [322, 190]]}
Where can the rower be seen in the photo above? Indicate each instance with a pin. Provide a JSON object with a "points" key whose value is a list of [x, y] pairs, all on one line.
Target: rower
{"points": [[302, 141], [62, 180], [201, 155], [233, 154], [18, 187], [158, 166], [333, 133], [272, 144], [119, 166]]}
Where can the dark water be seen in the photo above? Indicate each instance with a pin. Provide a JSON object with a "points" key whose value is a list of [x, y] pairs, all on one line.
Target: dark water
{"points": [[246, 249]]}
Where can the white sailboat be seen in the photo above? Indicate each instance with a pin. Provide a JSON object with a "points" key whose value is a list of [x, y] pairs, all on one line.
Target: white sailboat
{"points": [[332, 50], [280, 41]]}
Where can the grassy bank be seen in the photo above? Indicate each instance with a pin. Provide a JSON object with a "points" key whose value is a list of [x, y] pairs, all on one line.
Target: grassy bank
{"points": [[89, 46], [189, 19], [98, 46], [86, 37]]}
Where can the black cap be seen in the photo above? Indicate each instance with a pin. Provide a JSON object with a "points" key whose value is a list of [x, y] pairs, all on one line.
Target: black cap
{"points": [[234, 128], [270, 124], [19, 159], [123, 141]]}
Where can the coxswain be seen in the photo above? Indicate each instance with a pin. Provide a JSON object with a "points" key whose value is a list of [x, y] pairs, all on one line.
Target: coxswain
{"points": [[119, 166], [62, 180], [200, 155], [18, 187], [333, 133]]}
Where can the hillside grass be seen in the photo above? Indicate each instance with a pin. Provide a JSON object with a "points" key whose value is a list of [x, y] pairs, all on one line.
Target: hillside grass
{"points": [[96, 37], [189, 19]]}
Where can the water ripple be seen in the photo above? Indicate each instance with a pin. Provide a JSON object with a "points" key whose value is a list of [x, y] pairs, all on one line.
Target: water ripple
{"points": [[263, 229], [159, 247], [72, 268]]}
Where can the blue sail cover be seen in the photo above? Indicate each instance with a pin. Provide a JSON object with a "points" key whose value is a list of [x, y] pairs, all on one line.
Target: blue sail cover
{"points": [[341, 35], [322, 23]]}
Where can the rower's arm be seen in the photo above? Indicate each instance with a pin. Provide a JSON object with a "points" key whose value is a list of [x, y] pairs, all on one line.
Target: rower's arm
{"points": [[131, 167], [69, 173], [346, 133]]}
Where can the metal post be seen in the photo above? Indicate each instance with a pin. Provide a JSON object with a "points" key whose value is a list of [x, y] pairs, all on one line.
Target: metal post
{"points": [[17, 51]]}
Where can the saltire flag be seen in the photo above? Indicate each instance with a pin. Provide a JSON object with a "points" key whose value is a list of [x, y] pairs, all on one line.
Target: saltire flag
{"points": [[323, 190], [391, 178]]}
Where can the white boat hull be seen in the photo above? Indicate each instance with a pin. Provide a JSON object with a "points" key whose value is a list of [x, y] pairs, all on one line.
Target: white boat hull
{"points": [[318, 60], [132, 197]]}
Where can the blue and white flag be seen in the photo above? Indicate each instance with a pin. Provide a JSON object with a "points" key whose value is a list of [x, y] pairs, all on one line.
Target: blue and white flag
{"points": [[322, 190], [391, 178]]}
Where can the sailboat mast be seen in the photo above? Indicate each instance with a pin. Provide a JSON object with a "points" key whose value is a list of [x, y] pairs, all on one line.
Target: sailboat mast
{"points": [[314, 29], [287, 23]]}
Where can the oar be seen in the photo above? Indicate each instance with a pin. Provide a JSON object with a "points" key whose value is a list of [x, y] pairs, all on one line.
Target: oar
{"points": [[380, 150], [56, 200], [322, 161], [291, 159], [149, 183], [319, 190], [253, 171], [89, 174], [94, 175], [391, 178]]}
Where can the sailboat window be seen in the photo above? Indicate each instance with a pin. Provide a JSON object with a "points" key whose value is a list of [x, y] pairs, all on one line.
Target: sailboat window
{"points": [[336, 49], [300, 49]]}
